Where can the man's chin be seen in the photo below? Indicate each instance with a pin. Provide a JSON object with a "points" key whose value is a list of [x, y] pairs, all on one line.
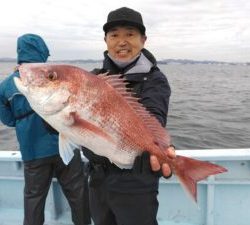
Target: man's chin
{"points": [[123, 58]]}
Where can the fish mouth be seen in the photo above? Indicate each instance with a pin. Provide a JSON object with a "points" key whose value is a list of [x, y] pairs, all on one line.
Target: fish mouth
{"points": [[27, 71], [42, 106], [21, 86]]}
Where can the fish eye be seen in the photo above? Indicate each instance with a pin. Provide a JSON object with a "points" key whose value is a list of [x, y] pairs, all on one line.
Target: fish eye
{"points": [[52, 76]]}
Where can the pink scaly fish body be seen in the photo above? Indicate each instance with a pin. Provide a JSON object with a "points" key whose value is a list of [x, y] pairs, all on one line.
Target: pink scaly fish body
{"points": [[100, 114]]}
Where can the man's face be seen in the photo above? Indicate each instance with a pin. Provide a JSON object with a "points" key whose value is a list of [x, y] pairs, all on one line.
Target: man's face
{"points": [[124, 42]]}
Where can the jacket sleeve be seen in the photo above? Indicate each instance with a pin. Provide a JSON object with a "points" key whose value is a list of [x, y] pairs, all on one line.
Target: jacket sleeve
{"points": [[155, 96], [6, 114]]}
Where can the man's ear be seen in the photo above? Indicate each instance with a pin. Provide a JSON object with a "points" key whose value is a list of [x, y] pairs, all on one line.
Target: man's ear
{"points": [[144, 38], [105, 38]]}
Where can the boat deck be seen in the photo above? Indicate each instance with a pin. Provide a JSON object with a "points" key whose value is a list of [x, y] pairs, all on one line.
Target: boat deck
{"points": [[223, 199]]}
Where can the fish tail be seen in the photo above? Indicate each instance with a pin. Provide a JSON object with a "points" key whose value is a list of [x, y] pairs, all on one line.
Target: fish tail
{"points": [[189, 171]]}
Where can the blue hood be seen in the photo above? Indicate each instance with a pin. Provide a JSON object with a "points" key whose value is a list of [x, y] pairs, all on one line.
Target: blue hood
{"points": [[31, 48]]}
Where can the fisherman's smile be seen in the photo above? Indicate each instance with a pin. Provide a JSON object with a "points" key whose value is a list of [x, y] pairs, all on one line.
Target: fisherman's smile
{"points": [[123, 53]]}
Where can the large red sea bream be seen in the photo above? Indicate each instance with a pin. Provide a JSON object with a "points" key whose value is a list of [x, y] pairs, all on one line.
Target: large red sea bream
{"points": [[99, 113]]}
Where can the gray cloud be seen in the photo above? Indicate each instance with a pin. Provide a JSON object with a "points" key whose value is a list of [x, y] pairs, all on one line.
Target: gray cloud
{"points": [[195, 29]]}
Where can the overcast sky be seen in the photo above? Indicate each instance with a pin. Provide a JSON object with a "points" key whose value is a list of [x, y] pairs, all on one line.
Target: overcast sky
{"points": [[179, 29]]}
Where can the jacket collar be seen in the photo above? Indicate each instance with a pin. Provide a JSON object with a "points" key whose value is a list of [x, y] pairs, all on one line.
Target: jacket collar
{"points": [[143, 64]]}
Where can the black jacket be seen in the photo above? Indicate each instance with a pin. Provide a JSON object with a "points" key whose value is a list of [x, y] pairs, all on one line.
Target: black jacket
{"points": [[147, 82]]}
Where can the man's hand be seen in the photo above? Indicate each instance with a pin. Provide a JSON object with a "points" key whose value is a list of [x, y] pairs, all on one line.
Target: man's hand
{"points": [[155, 165]]}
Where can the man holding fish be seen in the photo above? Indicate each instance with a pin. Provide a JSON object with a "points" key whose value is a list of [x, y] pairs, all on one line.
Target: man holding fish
{"points": [[129, 196]]}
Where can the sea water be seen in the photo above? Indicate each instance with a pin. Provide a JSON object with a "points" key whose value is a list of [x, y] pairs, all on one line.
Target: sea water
{"points": [[209, 105]]}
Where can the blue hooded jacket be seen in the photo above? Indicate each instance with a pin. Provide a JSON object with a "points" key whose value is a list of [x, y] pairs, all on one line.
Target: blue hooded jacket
{"points": [[35, 140]]}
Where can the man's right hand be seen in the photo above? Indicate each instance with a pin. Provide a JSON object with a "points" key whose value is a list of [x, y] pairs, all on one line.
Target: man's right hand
{"points": [[165, 168]]}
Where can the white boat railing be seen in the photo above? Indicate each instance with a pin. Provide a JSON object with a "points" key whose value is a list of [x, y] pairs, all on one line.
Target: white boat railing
{"points": [[223, 199], [205, 154]]}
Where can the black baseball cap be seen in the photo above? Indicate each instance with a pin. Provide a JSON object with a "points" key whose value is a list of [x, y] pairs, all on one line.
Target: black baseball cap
{"points": [[124, 16]]}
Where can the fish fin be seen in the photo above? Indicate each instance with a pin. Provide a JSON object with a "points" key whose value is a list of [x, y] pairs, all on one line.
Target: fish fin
{"points": [[189, 171], [69, 118], [118, 82], [103, 75], [66, 148], [81, 123]]}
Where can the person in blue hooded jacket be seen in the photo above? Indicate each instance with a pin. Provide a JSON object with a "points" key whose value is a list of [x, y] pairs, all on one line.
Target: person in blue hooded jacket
{"points": [[39, 144]]}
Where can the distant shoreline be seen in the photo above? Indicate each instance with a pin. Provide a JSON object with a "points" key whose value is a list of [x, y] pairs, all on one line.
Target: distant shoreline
{"points": [[164, 61]]}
